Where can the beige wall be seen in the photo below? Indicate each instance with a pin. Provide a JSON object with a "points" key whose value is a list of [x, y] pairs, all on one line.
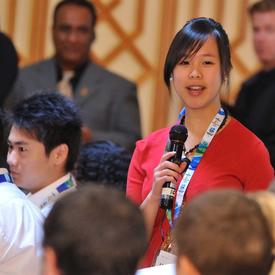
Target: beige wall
{"points": [[132, 39]]}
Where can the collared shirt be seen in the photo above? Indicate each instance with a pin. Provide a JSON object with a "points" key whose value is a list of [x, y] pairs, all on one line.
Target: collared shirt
{"points": [[21, 232], [45, 198]]}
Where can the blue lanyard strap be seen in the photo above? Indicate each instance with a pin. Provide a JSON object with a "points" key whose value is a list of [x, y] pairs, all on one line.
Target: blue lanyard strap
{"points": [[52, 192], [65, 185], [205, 142], [213, 128], [5, 177]]}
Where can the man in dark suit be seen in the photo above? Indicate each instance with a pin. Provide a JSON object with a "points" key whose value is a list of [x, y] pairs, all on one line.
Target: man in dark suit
{"points": [[8, 74], [8, 66], [254, 106], [108, 102]]}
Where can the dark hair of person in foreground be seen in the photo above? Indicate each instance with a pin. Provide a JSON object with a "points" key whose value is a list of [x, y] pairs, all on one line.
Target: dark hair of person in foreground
{"points": [[224, 232], [94, 230], [103, 162]]}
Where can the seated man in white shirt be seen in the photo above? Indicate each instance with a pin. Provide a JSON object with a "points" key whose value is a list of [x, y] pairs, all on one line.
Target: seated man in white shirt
{"points": [[21, 230], [223, 232], [43, 146], [94, 230]]}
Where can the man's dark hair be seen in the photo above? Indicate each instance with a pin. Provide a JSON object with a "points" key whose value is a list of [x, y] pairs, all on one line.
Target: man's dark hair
{"points": [[96, 230], [191, 38], [262, 6], [52, 119], [103, 162], [224, 232], [82, 3]]}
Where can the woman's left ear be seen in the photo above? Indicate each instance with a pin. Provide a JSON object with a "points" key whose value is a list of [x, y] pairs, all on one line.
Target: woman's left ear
{"points": [[60, 153]]}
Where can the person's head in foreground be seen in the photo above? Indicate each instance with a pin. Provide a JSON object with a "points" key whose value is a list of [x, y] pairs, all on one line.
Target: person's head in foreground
{"points": [[223, 232], [94, 230], [266, 200], [103, 162]]}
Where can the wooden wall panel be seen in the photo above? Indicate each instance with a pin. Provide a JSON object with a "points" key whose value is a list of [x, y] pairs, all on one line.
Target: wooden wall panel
{"points": [[132, 39]]}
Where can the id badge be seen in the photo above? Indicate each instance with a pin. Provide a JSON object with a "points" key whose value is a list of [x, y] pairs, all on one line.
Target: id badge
{"points": [[165, 257]]}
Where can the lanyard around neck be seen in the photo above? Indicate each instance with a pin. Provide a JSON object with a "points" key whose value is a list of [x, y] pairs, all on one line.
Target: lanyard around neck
{"points": [[52, 192], [5, 177], [205, 142]]}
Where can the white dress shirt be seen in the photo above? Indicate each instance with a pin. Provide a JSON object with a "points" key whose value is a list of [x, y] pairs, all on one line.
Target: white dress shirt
{"points": [[45, 198], [21, 231], [166, 269]]}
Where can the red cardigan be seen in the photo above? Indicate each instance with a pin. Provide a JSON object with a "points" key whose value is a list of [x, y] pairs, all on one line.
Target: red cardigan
{"points": [[236, 158]]}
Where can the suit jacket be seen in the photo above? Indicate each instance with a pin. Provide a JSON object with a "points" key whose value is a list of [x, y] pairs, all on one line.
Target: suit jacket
{"points": [[254, 107], [107, 102], [8, 66]]}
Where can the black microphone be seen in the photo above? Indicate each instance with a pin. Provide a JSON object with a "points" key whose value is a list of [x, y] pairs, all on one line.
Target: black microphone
{"points": [[178, 135]]}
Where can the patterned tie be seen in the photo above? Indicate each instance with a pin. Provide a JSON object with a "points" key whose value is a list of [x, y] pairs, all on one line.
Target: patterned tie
{"points": [[64, 85]]}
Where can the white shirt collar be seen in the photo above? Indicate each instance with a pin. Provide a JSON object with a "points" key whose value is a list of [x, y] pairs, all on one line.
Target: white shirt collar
{"points": [[46, 197]]}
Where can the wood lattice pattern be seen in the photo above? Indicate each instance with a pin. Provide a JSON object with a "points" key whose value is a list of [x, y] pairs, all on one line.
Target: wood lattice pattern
{"points": [[154, 22]]}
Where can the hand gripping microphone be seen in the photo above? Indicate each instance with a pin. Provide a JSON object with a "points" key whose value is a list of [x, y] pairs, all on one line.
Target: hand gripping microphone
{"points": [[178, 135]]}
